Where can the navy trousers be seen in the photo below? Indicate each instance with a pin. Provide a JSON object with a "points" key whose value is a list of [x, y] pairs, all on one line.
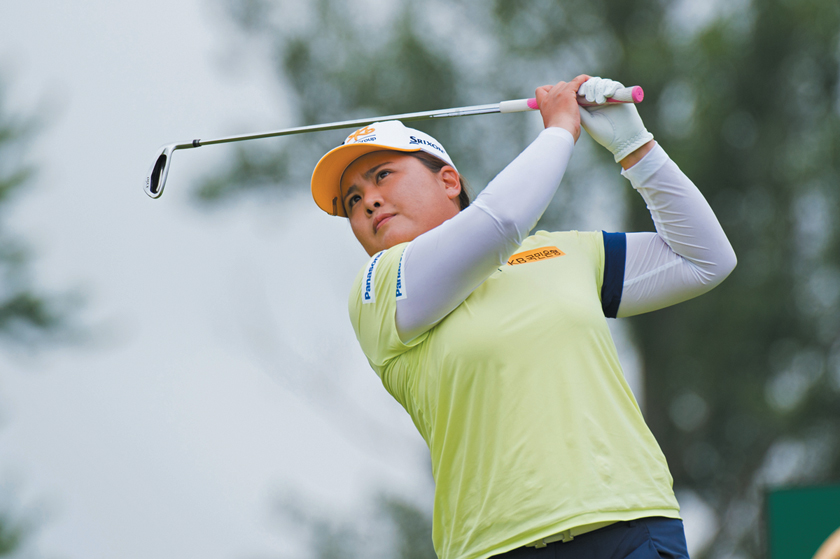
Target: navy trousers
{"points": [[646, 538]]}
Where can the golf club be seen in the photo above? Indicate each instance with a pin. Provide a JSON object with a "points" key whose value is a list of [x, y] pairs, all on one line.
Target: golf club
{"points": [[156, 179]]}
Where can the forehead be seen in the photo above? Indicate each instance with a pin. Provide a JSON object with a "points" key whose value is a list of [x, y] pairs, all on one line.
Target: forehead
{"points": [[370, 160]]}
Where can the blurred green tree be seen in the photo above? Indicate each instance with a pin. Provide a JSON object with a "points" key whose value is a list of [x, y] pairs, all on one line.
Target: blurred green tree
{"points": [[394, 528], [11, 535], [28, 317], [742, 384]]}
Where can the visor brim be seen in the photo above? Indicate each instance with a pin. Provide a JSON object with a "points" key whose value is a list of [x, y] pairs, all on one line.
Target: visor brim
{"points": [[326, 178]]}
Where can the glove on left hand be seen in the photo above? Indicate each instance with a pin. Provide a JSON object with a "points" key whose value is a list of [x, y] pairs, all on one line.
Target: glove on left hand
{"points": [[616, 126]]}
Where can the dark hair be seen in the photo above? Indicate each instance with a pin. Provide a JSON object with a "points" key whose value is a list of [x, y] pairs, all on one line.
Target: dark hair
{"points": [[434, 164]]}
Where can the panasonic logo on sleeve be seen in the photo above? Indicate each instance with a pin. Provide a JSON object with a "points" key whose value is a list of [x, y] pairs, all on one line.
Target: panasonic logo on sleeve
{"points": [[368, 282], [400, 281]]}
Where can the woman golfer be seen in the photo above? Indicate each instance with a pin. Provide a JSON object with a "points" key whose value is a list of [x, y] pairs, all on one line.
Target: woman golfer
{"points": [[495, 339]]}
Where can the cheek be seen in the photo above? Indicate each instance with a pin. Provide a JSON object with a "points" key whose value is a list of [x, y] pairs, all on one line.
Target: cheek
{"points": [[361, 233], [428, 208], [418, 200]]}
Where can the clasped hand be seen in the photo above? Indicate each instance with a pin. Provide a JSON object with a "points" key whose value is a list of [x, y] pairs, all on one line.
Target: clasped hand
{"points": [[616, 126]]}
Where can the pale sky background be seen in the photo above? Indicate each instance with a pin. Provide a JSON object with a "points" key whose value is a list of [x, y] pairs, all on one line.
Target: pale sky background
{"points": [[223, 374]]}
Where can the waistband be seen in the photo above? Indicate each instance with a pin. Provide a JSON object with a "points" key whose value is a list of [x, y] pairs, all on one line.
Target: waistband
{"points": [[569, 535]]}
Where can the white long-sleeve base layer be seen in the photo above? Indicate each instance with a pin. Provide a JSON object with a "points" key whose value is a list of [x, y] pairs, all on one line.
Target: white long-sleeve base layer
{"points": [[688, 255]]}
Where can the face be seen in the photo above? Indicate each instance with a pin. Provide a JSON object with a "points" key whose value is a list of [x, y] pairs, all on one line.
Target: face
{"points": [[391, 198]]}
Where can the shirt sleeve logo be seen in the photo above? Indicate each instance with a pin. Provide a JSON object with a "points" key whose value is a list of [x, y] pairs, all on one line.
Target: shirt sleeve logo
{"points": [[401, 294], [535, 255], [368, 284]]}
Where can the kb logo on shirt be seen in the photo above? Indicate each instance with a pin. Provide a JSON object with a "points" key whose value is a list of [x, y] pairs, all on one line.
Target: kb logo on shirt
{"points": [[535, 255]]}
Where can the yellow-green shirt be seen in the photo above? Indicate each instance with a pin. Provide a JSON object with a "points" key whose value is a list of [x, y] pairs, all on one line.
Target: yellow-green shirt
{"points": [[520, 396]]}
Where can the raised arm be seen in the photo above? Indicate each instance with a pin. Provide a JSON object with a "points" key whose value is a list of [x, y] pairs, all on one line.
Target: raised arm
{"points": [[689, 253], [687, 256], [443, 266]]}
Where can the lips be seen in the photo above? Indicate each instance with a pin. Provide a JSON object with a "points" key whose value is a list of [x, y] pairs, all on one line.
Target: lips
{"points": [[379, 220]]}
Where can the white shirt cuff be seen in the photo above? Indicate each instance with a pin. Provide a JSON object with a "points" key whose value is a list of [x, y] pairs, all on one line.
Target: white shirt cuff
{"points": [[647, 166], [560, 133]]}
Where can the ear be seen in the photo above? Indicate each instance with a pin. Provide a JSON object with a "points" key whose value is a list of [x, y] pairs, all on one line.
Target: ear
{"points": [[451, 181]]}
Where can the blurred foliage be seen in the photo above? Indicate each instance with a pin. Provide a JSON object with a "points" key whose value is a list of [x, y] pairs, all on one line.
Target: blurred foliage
{"points": [[10, 537], [28, 318], [413, 530], [395, 528], [742, 384]]}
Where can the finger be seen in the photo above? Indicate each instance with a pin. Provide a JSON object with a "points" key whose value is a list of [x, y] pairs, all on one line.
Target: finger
{"points": [[585, 88], [600, 92], [610, 87], [578, 81], [545, 88], [540, 94], [558, 86], [592, 88]]}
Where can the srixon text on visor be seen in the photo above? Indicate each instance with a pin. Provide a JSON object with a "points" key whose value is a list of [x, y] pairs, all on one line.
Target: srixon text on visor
{"points": [[425, 142]]}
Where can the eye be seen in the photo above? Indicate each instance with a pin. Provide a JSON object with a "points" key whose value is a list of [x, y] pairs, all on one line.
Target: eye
{"points": [[351, 201], [382, 174]]}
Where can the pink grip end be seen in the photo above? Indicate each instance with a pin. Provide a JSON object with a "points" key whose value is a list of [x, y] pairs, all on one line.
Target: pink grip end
{"points": [[638, 94], [532, 103]]}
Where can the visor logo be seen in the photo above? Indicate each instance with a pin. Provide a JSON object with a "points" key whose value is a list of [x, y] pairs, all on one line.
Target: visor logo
{"points": [[415, 140], [360, 134]]}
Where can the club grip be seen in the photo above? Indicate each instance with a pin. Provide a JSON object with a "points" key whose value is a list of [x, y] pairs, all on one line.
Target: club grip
{"points": [[633, 94], [517, 106]]}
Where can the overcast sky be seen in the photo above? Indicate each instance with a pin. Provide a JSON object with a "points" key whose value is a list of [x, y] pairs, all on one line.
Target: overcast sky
{"points": [[223, 373]]}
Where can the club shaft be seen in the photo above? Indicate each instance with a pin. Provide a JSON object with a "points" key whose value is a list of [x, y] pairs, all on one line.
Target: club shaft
{"points": [[442, 113], [156, 178]]}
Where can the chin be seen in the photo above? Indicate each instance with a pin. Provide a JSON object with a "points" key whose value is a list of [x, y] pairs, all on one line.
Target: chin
{"points": [[391, 235], [395, 236]]}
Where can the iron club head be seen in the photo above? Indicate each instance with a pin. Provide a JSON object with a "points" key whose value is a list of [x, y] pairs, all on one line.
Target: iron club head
{"points": [[156, 179]]}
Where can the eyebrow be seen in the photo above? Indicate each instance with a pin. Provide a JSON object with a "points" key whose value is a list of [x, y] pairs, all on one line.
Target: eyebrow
{"points": [[372, 170]]}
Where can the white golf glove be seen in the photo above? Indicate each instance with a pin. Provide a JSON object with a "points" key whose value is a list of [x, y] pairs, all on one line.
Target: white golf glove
{"points": [[616, 126]]}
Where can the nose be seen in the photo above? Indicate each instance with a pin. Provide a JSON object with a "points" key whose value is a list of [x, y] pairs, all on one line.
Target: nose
{"points": [[372, 200]]}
